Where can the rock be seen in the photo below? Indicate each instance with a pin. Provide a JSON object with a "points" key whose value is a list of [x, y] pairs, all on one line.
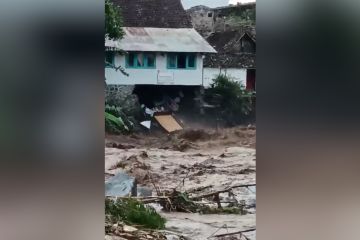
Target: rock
{"points": [[172, 237], [182, 166], [144, 154], [120, 185], [127, 228], [108, 237]]}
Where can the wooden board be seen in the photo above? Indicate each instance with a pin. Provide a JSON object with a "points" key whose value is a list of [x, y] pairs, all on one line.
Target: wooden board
{"points": [[168, 122]]}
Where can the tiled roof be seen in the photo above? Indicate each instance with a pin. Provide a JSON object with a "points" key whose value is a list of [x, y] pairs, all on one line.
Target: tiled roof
{"points": [[230, 60], [227, 45], [154, 13]]}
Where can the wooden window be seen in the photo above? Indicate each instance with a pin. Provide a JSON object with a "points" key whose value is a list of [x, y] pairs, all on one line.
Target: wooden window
{"points": [[181, 61], [191, 61], [140, 60], [171, 60], [150, 60], [109, 59], [131, 60]]}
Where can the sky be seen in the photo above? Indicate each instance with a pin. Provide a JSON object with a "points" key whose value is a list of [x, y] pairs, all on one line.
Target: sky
{"points": [[211, 3]]}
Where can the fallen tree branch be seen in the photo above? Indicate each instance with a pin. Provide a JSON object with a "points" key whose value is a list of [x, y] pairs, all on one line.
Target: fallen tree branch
{"points": [[234, 233], [222, 191], [198, 189], [142, 199]]}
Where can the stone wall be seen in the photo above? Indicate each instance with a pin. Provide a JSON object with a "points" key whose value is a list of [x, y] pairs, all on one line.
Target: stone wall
{"points": [[202, 19], [122, 96], [206, 20]]}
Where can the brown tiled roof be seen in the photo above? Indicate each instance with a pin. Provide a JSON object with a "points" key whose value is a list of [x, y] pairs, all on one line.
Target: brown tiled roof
{"points": [[230, 60], [154, 13], [227, 41], [227, 45]]}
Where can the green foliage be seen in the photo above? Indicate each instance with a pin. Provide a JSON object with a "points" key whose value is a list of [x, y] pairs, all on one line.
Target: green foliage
{"points": [[113, 29], [113, 21], [116, 111], [133, 212], [120, 113], [234, 100], [181, 202], [238, 19], [116, 121], [114, 124]]}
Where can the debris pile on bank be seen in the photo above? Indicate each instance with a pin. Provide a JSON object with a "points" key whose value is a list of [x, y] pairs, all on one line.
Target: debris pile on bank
{"points": [[130, 219], [209, 182]]}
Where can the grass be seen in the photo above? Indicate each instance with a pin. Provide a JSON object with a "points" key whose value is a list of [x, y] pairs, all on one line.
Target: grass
{"points": [[132, 212]]}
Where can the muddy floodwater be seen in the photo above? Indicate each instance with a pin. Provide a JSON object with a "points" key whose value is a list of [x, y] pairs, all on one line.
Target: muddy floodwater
{"points": [[212, 161]]}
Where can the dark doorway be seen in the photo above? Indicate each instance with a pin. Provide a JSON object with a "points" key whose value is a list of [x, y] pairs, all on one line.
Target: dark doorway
{"points": [[250, 80]]}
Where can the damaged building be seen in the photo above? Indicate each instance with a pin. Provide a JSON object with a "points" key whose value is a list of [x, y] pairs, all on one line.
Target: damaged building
{"points": [[160, 51], [231, 31], [235, 58], [208, 20]]}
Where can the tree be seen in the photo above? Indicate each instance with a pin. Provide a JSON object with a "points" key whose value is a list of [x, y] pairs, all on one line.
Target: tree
{"points": [[234, 100], [113, 28], [113, 21]]}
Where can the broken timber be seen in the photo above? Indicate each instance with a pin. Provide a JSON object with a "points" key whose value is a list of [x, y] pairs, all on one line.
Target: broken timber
{"points": [[155, 199], [222, 191], [168, 122]]}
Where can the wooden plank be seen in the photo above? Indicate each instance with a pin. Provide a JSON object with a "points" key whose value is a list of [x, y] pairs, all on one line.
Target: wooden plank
{"points": [[168, 122]]}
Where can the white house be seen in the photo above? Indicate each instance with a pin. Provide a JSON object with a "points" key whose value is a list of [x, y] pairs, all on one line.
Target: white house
{"points": [[157, 56]]}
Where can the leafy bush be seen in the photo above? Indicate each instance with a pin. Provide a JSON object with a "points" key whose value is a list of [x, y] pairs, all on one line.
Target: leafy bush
{"points": [[113, 21], [116, 121], [234, 100], [114, 124], [131, 211]]}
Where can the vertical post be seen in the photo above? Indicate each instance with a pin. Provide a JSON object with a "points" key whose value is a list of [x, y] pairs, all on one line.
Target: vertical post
{"points": [[202, 70]]}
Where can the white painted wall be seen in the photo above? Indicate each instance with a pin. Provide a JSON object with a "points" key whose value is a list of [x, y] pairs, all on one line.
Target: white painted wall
{"points": [[237, 74], [151, 76]]}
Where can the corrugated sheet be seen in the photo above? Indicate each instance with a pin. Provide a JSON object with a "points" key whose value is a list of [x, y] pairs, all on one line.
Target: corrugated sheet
{"points": [[162, 40]]}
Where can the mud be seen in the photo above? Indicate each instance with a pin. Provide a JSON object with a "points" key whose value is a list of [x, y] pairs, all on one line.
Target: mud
{"points": [[196, 138], [196, 134], [209, 161]]}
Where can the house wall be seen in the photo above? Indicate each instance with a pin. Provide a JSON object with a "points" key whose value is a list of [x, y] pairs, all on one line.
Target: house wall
{"points": [[201, 21], [160, 75], [226, 18], [237, 74]]}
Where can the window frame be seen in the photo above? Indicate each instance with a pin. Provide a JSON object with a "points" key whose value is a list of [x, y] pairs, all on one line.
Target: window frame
{"points": [[176, 61], [145, 60]]}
